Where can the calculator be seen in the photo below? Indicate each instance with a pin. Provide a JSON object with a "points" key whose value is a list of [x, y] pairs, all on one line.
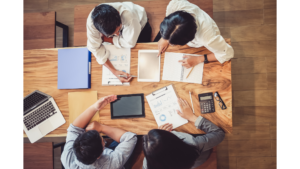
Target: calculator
{"points": [[207, 104]]}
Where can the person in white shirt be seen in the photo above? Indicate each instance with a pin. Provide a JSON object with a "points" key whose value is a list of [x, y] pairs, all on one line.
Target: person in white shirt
{"points": [[122, 24], [187, 24]]}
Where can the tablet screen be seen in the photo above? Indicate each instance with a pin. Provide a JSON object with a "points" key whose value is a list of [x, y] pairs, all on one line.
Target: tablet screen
{"points": [[128, 106], [148, 65]]}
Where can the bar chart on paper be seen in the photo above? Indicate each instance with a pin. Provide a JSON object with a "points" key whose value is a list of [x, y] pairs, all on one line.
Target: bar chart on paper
{"points": [[120, 59], [164, 106]]}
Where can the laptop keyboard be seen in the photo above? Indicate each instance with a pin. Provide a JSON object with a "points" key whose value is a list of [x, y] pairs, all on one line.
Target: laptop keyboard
{"points": [[39, 115]]}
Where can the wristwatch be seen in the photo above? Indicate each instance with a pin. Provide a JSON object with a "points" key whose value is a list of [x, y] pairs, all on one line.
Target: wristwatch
{"points": [[205, 58]]}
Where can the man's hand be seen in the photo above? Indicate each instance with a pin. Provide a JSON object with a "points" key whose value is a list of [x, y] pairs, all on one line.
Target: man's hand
{"points": [[186, 111], [94, 126], [162, 46], [106, 39], [190, 61], [122, 79], [167, 127], [102, 102]]}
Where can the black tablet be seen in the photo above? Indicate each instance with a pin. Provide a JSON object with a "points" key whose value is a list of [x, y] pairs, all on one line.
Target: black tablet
{"points": [[128, 106]]}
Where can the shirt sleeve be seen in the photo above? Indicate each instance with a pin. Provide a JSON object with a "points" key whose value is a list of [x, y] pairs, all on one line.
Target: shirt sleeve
{"points": [[94, 42], [214, 135], [176, 5], [145, 163], [129, 35], [123, 151], [222, 50], [68, 155]]}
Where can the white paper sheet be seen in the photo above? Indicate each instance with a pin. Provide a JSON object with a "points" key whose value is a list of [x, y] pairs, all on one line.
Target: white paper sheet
{"points": [[174, 71], [120, 59], [163, 105]]}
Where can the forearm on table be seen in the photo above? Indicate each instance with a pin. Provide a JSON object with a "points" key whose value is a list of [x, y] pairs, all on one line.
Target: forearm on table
{"points": [[112, 132], [210, 57], [109, 66], [84, 118]]}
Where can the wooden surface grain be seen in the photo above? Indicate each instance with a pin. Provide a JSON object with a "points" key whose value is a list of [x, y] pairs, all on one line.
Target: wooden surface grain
{"points": [[156, 12], [40, 73], [39, 30], [38, 155]]}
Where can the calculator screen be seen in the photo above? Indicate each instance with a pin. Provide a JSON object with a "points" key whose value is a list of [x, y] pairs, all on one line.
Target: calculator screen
{"points": [[206, 98]]}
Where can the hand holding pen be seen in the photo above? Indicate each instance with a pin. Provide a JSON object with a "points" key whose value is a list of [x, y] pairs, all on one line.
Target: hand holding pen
{"points": [[124, 76]]}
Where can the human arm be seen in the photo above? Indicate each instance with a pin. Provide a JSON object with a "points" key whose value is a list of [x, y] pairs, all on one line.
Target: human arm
{"points": [[117, 72], [127, 142], [163, 45], [190, 61], [84, 118], [130, 33], [94, 42], [166, 126], [214, 135], [112, 132], [106, 39]]}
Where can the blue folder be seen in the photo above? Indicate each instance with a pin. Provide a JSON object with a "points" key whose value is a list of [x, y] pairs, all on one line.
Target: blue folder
{"points": [[74, 68]]}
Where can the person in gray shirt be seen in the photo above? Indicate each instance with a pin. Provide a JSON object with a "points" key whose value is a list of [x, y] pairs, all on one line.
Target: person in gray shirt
{"points": [[166, 149], [85, 148]]}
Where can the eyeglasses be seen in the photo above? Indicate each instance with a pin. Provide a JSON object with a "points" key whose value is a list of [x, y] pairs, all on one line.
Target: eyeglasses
{"points": [[221, 103], [120, 31]]}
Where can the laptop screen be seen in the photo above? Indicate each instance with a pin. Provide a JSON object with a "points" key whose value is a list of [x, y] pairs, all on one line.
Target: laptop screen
{"points": [[33, 100]]}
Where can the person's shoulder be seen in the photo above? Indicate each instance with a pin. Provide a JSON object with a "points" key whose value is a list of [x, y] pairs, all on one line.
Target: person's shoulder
{"points": [[187, 138]]}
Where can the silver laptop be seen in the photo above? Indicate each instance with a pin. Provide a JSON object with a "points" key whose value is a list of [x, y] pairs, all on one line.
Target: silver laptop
{"points": [[41, 115]]}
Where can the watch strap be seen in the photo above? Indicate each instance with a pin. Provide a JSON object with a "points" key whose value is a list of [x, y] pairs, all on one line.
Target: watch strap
{"points": [[205, 58]]}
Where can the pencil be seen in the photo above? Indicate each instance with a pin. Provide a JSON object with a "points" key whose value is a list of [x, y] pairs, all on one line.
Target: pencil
{"points": [[190, 72]]}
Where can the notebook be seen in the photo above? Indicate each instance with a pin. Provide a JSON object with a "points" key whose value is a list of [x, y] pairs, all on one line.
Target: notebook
{"points": [[74, 68], [120, 59], [163, 104], [174, 71]]}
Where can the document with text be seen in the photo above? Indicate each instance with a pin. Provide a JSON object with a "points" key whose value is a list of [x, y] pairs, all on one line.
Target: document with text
{"points": [[163, 104]]}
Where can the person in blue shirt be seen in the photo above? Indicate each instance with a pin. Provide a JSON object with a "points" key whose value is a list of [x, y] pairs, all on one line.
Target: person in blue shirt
{"points": [[85, 148]]}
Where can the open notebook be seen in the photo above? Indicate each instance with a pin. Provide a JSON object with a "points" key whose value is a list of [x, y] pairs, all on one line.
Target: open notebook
{"points": [[174, 71]]}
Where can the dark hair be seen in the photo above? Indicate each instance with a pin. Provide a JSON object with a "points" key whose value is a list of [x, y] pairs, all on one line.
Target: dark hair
{"points": [[106, 19], [179, 28], [88, 147], [164, 150]]}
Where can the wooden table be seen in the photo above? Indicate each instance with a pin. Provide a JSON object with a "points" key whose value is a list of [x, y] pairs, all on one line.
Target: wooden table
{"points": [[38, 155], [40, 73], [156, 12]]}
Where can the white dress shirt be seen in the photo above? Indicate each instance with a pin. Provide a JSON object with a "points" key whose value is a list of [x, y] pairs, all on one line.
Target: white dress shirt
{"points": [[208, 33], [133, 18]]}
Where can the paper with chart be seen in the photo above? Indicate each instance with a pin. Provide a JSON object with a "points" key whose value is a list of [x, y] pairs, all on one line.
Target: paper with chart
{"points": [[163, 104], [174, 71], [120, 59]]}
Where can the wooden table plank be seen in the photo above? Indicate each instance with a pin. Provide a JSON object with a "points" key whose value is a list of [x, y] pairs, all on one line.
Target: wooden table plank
{"points": [[40, 73], [156, 12], [38, 155], [39, 30]]}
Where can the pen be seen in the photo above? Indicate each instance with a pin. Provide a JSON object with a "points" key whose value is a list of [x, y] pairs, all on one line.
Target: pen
{"points": [[190, 72], [125, 76], [192, 101]]}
